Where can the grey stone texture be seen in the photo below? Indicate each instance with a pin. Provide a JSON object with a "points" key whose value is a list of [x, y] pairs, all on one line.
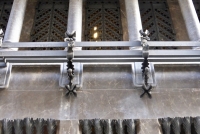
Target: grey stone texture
{"points": [[108, 91], [28, 21], [177, 18]]}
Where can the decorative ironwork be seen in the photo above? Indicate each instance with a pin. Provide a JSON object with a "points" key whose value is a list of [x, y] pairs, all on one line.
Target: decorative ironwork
{"points": [[30, 126], [177, 125], [130, 125], [103, 21], [156, 18], [51, 126], [50, 21], [108, 126], [145, 65], [98, 126], [7, 126], [18, 126], [71, 88], [187, 125], [165, 125], [197, 7], [5, 9], [39, 125]]}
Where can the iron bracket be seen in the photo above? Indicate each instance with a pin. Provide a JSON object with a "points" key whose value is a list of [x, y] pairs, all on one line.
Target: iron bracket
{"points": [[146, 74], [70, 87]]}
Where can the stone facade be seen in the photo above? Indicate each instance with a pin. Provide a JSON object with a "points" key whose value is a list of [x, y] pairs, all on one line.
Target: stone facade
{"points": [[107, 90]]}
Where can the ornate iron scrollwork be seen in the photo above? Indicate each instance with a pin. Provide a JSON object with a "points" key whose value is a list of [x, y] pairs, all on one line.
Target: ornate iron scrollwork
{"points": [[145, 65], [71, 88]]}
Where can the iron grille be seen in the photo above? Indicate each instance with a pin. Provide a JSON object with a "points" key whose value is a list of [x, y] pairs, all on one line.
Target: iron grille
{"points": [[5, 9], [156, 18], [197, 7], [50, 20], [103, 21]]}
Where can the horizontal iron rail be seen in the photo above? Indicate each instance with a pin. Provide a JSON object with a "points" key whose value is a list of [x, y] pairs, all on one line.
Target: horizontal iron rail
{"points": [[102, 44], [100, 54], [89, 56], [100, 60]]}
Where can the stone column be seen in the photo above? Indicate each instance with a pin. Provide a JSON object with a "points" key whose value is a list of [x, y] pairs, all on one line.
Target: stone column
{"points": [[191, 19], [15, 22], [133, 19], [75, 18]]}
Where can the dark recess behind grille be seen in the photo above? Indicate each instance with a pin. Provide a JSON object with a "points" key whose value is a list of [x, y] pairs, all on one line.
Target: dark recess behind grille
{"points": [[156, 18], [50, 22], [105, 15], [197, 7], [5, 9]]}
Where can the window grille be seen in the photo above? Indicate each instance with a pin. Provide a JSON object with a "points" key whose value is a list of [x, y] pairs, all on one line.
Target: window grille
{"points": [[156, 18], [197, 7], [5, 8], [50, 22], [103, 21]]}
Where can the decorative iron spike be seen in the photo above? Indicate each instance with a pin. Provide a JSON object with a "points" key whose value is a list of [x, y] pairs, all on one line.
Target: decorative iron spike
{"points": [[165, 125], [118, 125], [176, 125], [51, 126], [7, 126], [18, 126], [130, 126], [29, 125], [107, 126], [86, 126], [98, 127], [186, 123], [39, 124], [196, 122]]}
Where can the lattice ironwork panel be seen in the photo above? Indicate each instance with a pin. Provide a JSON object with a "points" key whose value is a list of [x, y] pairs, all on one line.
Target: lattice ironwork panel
{"points": [[156, 18], [50, 21], [197, 7], [5, 9], [103, 21]]}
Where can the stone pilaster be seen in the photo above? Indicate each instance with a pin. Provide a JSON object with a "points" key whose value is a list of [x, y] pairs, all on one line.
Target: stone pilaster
{"points": [[134, 19], [15, 22], [75, 18], [191, 19]]}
